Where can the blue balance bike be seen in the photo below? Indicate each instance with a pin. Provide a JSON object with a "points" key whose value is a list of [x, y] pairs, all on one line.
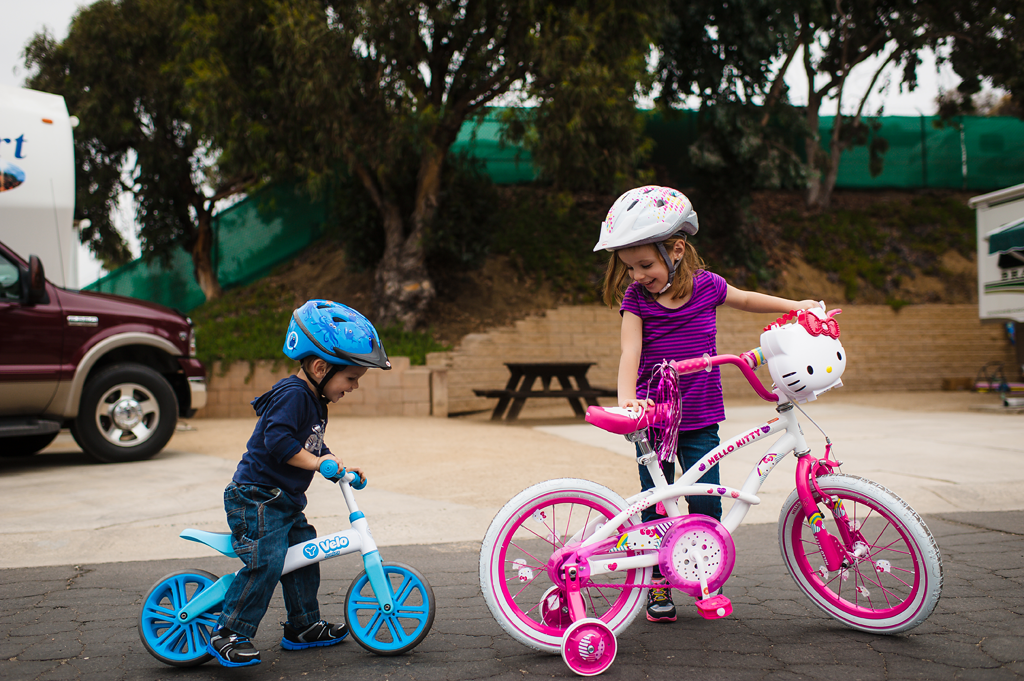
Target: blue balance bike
{"points": [[389, 607]]}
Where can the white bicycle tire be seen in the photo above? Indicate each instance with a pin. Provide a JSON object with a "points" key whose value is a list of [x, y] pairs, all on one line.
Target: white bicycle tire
{"points": [[493, 542], [924, 599]]}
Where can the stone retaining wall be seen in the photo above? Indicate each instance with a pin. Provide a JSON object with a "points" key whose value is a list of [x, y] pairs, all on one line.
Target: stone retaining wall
{"points": [[403, 391], [920, 347]]}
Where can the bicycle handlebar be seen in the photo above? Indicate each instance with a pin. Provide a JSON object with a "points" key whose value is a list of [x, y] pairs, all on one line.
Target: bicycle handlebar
{"points": [[329, 469], [705, 363]]}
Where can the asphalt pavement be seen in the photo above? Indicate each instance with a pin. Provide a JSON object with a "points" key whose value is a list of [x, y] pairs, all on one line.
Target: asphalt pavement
{"points": [[85, 542], [79, 622]]}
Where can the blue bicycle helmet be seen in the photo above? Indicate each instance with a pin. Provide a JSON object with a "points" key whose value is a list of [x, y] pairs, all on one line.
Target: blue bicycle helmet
{"points": [[336, 334]]}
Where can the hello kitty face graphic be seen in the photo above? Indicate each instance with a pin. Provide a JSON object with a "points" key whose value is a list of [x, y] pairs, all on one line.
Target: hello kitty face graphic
{"points": [[805, 358]]}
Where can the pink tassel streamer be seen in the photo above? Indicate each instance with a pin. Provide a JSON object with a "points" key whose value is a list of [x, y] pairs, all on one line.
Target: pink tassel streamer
{"points": [[666, 397]]}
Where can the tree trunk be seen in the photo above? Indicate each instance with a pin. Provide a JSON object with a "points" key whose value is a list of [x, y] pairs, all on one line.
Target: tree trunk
{"points": [[404, 288], [817, 159], [828, 183], [202, 262]]}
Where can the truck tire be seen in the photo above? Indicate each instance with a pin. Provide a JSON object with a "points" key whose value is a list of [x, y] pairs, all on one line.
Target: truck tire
{"points": [[127, 413], [25, 444]]}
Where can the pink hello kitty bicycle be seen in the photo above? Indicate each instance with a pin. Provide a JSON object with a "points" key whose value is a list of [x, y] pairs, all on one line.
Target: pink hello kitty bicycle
{"points": [[566, 564]]}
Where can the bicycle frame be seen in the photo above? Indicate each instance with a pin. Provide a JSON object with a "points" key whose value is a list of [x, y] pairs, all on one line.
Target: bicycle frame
{"points": [[357, 538], [791, 440]]}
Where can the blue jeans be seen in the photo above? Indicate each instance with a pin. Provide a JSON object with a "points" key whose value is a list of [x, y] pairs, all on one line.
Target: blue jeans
{"points": [[693, 446], [264, 522]]}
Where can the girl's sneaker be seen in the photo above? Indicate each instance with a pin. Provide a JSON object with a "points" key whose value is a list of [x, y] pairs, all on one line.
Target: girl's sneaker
{"points": [[317, 634], [660, 607], [232, 650]]}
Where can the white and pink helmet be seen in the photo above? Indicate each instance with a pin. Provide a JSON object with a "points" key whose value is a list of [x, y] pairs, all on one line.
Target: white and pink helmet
{"points": [[646, 215]]}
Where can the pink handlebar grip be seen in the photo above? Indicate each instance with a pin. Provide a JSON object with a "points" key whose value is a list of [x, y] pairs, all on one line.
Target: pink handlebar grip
{"points": [[692, 366]]}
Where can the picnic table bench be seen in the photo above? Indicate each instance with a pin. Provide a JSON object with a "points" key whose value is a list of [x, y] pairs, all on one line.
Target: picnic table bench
{"points": [[523, 377]]}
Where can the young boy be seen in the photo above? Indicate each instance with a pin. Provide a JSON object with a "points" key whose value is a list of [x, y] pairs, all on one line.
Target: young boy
{"points": [[265, 500]]}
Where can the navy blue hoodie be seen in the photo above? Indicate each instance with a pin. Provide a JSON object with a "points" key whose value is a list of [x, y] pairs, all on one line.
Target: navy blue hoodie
{"points": [[290, 420]]}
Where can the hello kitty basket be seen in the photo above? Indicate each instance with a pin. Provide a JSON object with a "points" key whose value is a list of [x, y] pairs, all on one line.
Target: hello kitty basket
{"points": [[803, 354]]}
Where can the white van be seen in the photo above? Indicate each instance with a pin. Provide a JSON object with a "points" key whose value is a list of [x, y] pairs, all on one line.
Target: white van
{"points": [[37, 180]]}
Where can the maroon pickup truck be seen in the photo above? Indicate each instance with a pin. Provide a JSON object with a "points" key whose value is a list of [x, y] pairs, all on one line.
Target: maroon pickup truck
{"points": [[117, 371]]}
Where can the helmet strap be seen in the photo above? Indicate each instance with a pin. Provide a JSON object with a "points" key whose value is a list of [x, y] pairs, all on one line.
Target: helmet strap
{"points": [[672, 266], [321, 398]]}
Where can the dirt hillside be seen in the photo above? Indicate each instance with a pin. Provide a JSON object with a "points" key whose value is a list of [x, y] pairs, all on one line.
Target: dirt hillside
{"points": [[499, 293]]}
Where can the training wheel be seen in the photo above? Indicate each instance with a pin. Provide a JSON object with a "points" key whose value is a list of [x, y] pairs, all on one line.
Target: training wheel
{"points": [[589, 647], [554, 611]]}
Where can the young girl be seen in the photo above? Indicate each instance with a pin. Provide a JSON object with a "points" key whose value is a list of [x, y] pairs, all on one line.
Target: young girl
{"points": [[668, 313]]}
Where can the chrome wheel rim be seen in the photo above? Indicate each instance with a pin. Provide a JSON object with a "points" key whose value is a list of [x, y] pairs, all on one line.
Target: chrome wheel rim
{"points": [[127, 414]]}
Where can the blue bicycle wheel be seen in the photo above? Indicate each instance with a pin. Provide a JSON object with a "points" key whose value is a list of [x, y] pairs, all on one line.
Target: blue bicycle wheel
{"points": [[173, 643], [390, 633]]}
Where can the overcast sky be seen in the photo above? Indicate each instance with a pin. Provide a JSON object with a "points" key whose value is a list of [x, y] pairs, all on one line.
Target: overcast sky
{"points": [[24, 18]]}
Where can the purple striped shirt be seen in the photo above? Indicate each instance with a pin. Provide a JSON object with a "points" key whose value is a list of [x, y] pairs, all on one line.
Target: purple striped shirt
{"points": [[682, 334]]}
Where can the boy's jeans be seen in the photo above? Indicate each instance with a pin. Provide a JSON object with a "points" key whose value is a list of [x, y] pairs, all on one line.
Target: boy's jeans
{"points": [[264, 522], [693, 446]]}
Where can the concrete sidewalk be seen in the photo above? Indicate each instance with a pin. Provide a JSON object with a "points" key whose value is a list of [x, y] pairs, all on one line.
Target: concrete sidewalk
{"points": [[442, 480]]}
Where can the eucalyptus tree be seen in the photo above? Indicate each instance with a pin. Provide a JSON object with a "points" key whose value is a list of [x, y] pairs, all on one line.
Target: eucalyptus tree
{"points": [[583, 128], [126, 70], [720, 55], [385, 84]]}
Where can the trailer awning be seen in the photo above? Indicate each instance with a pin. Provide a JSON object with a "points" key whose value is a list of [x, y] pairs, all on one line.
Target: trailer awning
{"points": [[1007, 238]]}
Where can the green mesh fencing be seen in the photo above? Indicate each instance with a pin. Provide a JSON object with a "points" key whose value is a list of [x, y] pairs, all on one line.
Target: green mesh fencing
{"points": [[262, 231], [503, 164], [972, 153], [250, 239]]}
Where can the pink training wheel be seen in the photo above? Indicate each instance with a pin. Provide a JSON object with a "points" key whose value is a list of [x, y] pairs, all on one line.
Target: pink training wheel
{"points": [[694, 541], [589, 647], [554, 610]]}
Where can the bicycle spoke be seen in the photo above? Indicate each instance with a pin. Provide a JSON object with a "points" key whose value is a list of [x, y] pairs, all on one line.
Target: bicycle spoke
{"points": [[601, 594], [540, 563], [159, 612], [567, 523], [374, 626], [525, 587], [397, 633]]}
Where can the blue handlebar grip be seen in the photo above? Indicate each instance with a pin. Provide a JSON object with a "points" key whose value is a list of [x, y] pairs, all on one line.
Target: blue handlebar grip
{"points": [[358, 482], [329, 468]]}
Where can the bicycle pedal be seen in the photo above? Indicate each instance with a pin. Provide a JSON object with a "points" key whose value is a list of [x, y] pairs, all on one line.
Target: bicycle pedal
{"points": [[715, 607]]}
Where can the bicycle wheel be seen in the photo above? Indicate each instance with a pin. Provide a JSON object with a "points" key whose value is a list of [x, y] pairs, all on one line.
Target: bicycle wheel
{"points": [[396, 632], [514, 576], [179, 645], [893, 585]]}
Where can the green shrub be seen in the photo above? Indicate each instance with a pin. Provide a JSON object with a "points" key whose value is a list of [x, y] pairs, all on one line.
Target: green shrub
{"points": [[248, 325], [883, 242]]}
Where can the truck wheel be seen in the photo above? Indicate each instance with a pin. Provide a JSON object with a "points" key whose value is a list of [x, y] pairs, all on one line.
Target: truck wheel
{"points": [[25, 444], [127, 413]]}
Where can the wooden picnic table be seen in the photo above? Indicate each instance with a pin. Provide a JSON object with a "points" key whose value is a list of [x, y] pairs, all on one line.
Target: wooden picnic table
{"points": [[523, 377]]}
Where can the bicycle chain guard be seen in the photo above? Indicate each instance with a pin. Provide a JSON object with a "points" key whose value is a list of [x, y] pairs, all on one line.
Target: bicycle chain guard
{"points": [[695, 547]]}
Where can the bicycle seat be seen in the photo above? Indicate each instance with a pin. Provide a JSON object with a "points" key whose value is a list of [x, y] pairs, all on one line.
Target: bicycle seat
{"points": [[219, 541], [624, 421]]}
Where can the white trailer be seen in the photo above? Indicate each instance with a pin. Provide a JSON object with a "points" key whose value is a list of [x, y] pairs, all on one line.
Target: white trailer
{"points": [[1000, 234], [37, 180]]}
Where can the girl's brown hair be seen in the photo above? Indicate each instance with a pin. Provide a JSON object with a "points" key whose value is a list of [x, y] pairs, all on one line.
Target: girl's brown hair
{"points": [[617, 279]]}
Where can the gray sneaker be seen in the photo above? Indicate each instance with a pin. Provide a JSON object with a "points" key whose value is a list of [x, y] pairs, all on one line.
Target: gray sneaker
{"points": [[660, 607], [232, 650]]}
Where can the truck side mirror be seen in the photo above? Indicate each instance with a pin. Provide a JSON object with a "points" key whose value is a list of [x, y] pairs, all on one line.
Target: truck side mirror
{"points": [[33, 284]]}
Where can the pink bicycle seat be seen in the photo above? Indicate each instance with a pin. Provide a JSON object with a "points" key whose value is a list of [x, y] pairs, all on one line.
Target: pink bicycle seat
{"points": [[623, 421]]}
